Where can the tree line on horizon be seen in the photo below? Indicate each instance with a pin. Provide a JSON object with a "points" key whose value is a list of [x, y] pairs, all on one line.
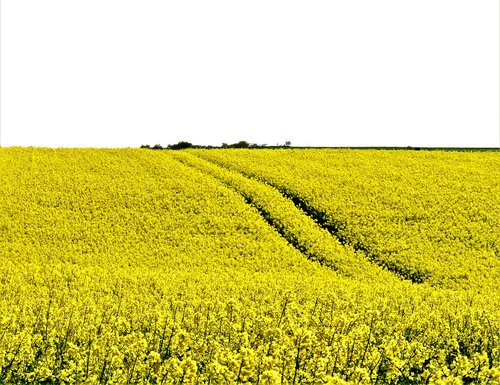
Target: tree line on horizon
{"points": [[184, 145]]}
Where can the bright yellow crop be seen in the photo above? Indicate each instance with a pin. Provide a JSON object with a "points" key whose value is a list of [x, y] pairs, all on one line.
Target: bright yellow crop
{"points": [[159, 267], [430, 216]]}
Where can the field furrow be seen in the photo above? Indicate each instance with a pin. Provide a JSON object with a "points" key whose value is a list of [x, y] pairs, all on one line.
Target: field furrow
{"points": [[432, 216], [296, 223], [335, 227]]}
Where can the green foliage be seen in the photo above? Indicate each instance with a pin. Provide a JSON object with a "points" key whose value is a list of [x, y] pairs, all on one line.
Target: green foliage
{"points": [[180, 146]]}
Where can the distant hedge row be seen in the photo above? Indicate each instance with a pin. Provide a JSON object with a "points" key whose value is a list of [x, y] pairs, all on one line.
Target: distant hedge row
{"points": [[183, 145]]}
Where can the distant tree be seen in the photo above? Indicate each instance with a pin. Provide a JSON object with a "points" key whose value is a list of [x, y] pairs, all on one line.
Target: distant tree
{"points": [[145, 146], [240, 144], [180, 145], [157, 147], [288, 143]]}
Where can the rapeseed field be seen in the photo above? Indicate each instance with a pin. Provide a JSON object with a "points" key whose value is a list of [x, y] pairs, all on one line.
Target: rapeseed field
{"points": [[132, 266]]}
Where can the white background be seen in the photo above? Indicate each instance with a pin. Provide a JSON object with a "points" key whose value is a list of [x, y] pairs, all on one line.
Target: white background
{"points": [[121, 73]]}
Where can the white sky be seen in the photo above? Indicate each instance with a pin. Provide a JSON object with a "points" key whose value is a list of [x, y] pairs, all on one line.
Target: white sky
{"points": [[121, 73]]}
